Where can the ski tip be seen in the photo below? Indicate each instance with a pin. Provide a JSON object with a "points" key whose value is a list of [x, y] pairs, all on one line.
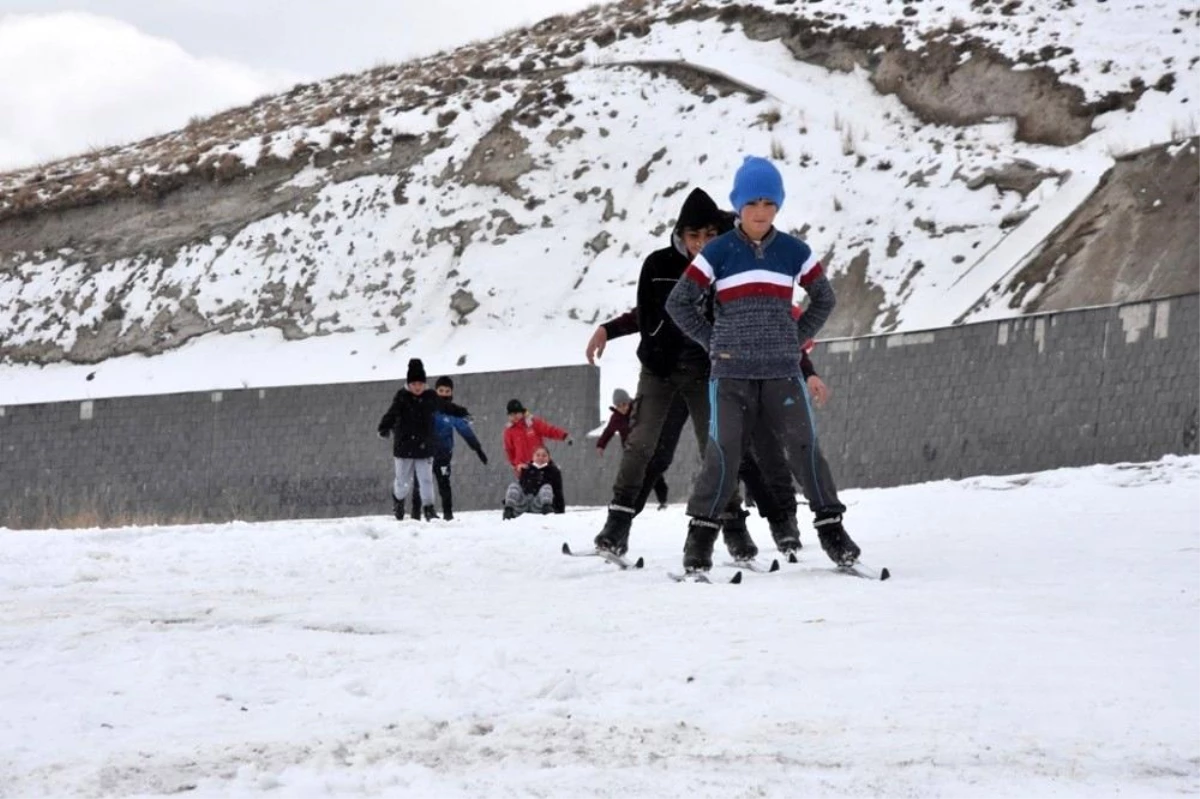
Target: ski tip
{"points": [[566, 548], [639, 563], [884, 574], [774, 566], [737, 578]]}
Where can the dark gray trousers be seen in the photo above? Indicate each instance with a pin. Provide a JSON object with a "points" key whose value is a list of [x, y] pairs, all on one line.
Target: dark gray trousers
{"points": [[775, 416], [652, 408]]}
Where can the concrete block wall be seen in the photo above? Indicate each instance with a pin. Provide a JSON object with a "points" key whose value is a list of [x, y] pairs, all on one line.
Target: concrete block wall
{"points": [[1109, 384]]}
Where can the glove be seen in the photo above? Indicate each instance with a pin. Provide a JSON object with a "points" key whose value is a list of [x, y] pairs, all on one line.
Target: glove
{"points": [[570, 441], [482, 457], [383, 434]]}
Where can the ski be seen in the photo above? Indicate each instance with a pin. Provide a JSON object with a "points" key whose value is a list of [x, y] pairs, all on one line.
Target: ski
{"points": [[702, 577], [616, 560], [860, 569], [754, 566], [856, 569]]}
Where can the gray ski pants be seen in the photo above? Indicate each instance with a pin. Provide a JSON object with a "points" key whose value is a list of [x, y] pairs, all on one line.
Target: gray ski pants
{"points": [[406, 469], [541, 502], [776, 417]]}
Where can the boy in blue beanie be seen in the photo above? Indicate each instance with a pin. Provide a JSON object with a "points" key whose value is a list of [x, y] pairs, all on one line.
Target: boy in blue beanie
{"points": [[757, 391]]}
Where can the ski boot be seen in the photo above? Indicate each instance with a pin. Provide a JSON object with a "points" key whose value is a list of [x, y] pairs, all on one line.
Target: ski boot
{"points": [[614, 536], [397, 508], [837, 544], [786, 533], [430, 513], [737, 538], [697, 550]]}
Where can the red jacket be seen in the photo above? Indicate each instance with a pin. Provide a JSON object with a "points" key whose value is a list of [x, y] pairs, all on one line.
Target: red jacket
{"points": [[521, 439]]}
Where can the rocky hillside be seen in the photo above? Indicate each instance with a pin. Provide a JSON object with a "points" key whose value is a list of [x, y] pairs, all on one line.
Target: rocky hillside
{"points": [[953, 160]]}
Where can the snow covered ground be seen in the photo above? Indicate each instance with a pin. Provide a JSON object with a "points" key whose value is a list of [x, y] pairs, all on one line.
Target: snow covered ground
{"points": [[1040, 637]]}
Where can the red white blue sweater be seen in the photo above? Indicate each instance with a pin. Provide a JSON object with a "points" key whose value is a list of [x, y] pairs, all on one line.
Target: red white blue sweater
{"points": [[753, 335]]}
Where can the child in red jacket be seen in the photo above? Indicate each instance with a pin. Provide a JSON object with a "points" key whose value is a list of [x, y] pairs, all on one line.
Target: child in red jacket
{"points": [[525, 433]]}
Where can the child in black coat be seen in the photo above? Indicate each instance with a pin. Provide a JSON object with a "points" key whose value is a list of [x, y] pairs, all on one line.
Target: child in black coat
{"points": [[410, 422], [538, 490]]}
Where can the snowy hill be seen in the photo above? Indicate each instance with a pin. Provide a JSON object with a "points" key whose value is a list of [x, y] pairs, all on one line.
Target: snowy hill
{"points": [[1039, 637], [486, 207]]}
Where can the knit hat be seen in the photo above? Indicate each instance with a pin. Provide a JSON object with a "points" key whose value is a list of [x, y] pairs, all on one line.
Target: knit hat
{"points": [[756, 179], [621, 396], [416, 371], [515, 406], [444, 381]]}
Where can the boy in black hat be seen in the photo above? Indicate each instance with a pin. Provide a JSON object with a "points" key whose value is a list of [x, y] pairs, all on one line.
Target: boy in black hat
{"points": [[410, 423]]}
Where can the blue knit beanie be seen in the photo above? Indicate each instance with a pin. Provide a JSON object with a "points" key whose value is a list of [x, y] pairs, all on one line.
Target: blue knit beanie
{"points": [[756, 179]]}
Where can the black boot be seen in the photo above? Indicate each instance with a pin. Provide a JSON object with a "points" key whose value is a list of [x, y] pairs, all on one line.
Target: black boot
{"points": [[447, 512], [509, 513], [430, 513], [786, 533], [697, 550], [737, 538], [836, 542], [397, 508], [614, 537]]}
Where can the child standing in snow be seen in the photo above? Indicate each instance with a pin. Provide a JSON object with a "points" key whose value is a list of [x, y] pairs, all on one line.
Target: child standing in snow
{"points": [[410, 422], [525, 432], [618, 424], [538, 488], [449, 419], [759, 394]]}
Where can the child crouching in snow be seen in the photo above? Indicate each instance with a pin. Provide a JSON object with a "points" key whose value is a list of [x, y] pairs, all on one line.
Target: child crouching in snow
{"points": [[538, 488], [618, 425]]}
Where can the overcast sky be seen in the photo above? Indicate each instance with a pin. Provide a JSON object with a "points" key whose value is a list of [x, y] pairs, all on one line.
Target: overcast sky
{"points": [[100, 72]]}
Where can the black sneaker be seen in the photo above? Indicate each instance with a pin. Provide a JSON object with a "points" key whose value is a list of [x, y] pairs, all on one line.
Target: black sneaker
{"points": [[430, 513], [737, 538], [697, 550], [786, 533], [397, 508], [509, 513], [837, 544], [614, 536]]}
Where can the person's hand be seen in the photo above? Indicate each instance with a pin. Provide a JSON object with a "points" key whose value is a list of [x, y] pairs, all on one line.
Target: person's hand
{"points": [[520, 468], [820, 392], [595, 345], [599, 452], [482, 457], [383, 434], [570, 441]]}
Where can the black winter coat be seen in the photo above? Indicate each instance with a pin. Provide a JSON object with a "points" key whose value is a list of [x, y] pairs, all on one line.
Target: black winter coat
{"points": [[532, 479], [410, 423], [664, 347]]}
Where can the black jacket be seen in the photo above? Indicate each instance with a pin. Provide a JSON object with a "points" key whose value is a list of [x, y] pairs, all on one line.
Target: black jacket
{"points": [[410, 422], [663, 347], [532, 479]]}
